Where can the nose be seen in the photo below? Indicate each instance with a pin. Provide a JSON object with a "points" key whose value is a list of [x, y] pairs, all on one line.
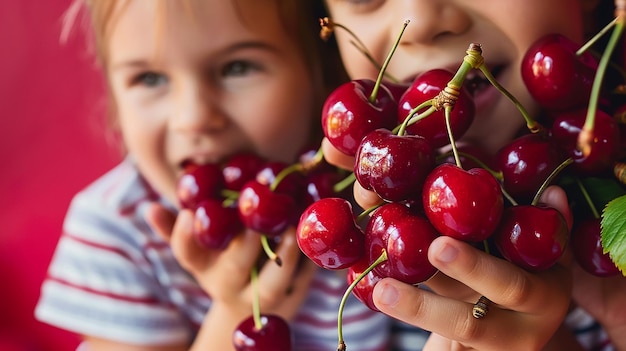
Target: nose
{"points": [[197, 109], [431, 20]]}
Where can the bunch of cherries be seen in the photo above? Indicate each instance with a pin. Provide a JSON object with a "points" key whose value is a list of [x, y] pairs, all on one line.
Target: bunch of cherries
{"points": [[396, 132]]}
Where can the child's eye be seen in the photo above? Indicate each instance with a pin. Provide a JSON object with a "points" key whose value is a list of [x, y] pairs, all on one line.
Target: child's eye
{"points": [[150, 79], [239, 69]]}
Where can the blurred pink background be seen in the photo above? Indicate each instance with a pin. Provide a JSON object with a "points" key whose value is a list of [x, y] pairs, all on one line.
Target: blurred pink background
{"points": [[52, 144]]}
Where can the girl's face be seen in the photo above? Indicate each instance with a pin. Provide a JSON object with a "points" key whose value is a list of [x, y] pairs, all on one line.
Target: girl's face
{"points": [[437, 36], [202, 83]]}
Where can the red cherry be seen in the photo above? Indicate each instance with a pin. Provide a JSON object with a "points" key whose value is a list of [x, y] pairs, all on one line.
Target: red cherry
{"points": [[393, 166], [215, 225], [588, 251], [274, 335], [526, 163], [348, 114], [555, 76], [321, 185], [364, 289], [328, 234], [198, 183], [265, 211], [425, 87], [605, 145], [241, 168], [532, 237], [465, 205], [405, 236]]}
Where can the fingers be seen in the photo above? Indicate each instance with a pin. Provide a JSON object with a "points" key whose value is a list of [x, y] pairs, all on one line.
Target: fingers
{"points": [[285, 285], [336, 157], [452, 319], [160, 219], [499, 280]]}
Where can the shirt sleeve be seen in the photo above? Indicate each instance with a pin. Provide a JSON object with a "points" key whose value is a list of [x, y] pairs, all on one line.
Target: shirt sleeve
{"points": [[100, 282]]}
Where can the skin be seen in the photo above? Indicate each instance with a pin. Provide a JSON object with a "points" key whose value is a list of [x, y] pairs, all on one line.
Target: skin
{"points": [[437, 36], [181, 96]]}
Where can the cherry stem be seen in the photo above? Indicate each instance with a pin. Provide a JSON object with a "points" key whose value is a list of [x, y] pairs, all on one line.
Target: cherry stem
{"points": [[411, 119], [269, 252], [585, 137], [455, 151], [367, 212], [230, 196], [296, 167], [549, 179], [595, 38], [343, 184], [328, 26], [256, 303], [481, 164], [532, 125], [382, 258], [585, 193], [382, 70]]}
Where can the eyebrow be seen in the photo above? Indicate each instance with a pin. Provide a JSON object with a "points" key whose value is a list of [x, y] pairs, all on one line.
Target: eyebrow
{"points": [[138, 63]]}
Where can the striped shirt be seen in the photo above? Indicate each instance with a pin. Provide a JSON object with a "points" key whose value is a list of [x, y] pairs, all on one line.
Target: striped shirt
{"points": [[112, 277]]}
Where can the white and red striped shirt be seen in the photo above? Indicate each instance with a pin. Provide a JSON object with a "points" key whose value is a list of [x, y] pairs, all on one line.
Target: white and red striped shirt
{"points": [[112, 277]]}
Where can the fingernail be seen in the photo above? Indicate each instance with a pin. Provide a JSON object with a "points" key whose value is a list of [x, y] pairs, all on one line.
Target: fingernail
{"points": [[389, 295], [447, 253]]}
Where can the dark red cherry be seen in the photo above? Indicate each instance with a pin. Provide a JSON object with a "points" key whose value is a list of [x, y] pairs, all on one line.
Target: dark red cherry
{"points": [[465, 205], [274, 335], [397, 89], [393, 166], [215, 225], [526, 163], [198, 183], [292, 184], [241, 168], [605, 145], [364, 289], [425, 87], [588, 251], [405, 236], [265, 211], [321, 185], [555, 76], [328, 234], [348, 114], [532, 237]]}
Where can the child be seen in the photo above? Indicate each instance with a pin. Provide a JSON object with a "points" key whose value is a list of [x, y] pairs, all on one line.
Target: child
{"points": [[198, 81], [530, 306]]}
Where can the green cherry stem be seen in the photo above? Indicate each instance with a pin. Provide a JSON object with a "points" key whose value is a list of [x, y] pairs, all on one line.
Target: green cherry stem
{"points": [[585, 193], [256, 303], [586, 134], [382, 258], [269, 252], [230, 196], [328, 26], [413, 118], [549, 179], [296, 167], [382, 70], [343, 184]]}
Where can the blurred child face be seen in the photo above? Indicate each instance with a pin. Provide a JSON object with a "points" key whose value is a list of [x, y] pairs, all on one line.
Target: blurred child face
{"points": [[202, 83], [437, 36]]}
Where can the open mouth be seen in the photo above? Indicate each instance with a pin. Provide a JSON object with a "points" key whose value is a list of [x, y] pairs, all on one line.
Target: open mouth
{"points": [[476, 82]]}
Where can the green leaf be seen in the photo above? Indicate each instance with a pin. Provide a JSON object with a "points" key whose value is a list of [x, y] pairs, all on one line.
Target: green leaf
{"points": [[614, 231]]}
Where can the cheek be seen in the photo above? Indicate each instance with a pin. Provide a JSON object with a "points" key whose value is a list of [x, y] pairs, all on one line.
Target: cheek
{"points": [[279, 123]]}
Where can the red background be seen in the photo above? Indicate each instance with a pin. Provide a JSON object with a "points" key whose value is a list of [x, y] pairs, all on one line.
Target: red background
{"points": [[52, 144]]}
